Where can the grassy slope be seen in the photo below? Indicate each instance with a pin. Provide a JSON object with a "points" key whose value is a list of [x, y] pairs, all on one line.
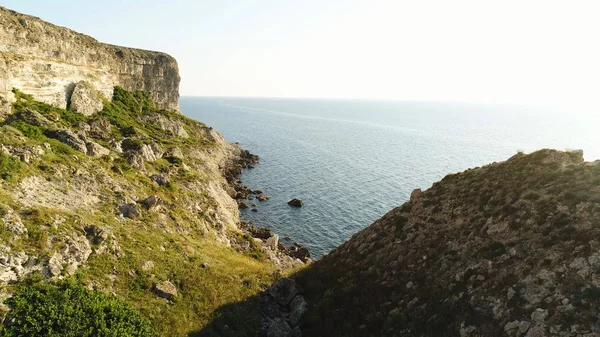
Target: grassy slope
{"points": [[178, 255]]}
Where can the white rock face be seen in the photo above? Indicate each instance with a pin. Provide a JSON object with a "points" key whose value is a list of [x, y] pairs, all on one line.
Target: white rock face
{"points": [[48, 62]]}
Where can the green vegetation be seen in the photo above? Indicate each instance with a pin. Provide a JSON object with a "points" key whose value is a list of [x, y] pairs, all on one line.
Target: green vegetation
{"points": [[179, 240], [67, 308], [9, 166]]}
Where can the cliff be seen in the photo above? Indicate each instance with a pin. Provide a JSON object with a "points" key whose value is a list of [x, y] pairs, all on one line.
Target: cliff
{"points": [[508, 249], [48, 61]]}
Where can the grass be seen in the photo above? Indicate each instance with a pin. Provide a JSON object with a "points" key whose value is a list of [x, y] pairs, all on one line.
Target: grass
{"points": [[179, 240]]}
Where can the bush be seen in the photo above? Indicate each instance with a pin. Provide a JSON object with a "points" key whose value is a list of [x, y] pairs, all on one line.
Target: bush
{"points": [[8, 166], [69, 309]]}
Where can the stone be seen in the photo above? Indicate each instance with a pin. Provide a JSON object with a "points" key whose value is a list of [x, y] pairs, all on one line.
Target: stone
{"points": [[96, 234], [295, 203], [130, 211], [166, 290], [148, 265], [301, 253], [524, 326], [153, 203], [175, 127], [242, 205], [511, 328], [536, 331], [30, 117], [298, 308], [539, 315], [55, 265], [279, 328], [70, 138], [273, 241], [101, 127], [96, 150], [283, 291], [12, 222], [160, 179], [85, 99], [262, 197]]}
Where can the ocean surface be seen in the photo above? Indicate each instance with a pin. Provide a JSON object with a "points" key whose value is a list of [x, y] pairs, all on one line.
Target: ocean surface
{"points": [[352, 161]]}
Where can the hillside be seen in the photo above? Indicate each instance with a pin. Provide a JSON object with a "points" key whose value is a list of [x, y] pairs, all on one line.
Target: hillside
{"points": [[508, 249], [132, 202]]}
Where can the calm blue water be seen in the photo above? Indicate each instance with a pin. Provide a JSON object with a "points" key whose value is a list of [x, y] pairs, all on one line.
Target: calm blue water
{"points": [[353, 161]]}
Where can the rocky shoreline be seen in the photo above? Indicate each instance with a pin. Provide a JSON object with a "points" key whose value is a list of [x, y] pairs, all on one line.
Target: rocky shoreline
{"points": [[284, 257]]}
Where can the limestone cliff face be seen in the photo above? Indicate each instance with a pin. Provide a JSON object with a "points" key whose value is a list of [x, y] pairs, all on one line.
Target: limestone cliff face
{"points": [[47, 62]]}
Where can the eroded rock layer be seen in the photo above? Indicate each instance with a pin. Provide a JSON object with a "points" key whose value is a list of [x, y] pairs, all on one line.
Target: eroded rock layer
{"points": [[48, 61]]}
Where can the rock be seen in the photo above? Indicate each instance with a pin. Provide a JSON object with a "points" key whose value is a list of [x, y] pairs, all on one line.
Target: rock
{"points": [[298, 308], [12, 222], [96, 234], [175, 153], [416, 194], [524, 326], [295, 203], [96, 150], [254, 210], [205, 265], [165, 290], [70, 138], [101, 127], [242, 205], [301, 253], [273, 241], [511, 328], [279, 328], [85, 99], [153, 203], [536, 331], [283, 291], [262, 197], [539, 315], [55, 265], [175, 127], [130, 211], [257, 191], [160, 179], [30, 117], [149, 265]]}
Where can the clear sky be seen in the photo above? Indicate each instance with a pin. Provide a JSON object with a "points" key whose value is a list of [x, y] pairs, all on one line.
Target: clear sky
{"points": [[492, 51]]}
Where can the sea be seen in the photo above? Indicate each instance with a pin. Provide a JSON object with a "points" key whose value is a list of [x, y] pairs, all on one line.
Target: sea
{"points": [[352, 161]]}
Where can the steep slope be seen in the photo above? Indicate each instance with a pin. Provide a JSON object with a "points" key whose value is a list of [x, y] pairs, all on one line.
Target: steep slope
{"points": [[508, 249], [48, 62], [131, 201]]}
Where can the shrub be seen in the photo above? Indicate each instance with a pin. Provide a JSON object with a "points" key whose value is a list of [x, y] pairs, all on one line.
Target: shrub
{"points": [[8, 166], [69, 309]]}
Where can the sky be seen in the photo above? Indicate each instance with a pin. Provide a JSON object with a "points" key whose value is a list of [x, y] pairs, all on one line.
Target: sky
{"points": [[538, 52]]}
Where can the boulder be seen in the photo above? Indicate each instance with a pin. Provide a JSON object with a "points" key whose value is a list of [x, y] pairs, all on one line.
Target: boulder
{"points": [[96, 150], [152, 203], [273, 241], [95, 234], [12, 222], [298, 308], [242, 205], [279, 328], [283, 291], [165, 290], [295, 203], [85, 99], [175, 127], [301, 253], [70, 138], [30, 117], [101, 127], [262, 198], [130, 211], [160, 179]]}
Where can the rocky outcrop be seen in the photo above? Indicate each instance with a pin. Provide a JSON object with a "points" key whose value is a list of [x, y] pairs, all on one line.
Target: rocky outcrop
{"points": [[508, 249], [50, 63]]}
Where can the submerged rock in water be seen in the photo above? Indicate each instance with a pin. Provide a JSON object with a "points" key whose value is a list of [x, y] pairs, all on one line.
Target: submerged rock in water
{"points": [[295, 202]]}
